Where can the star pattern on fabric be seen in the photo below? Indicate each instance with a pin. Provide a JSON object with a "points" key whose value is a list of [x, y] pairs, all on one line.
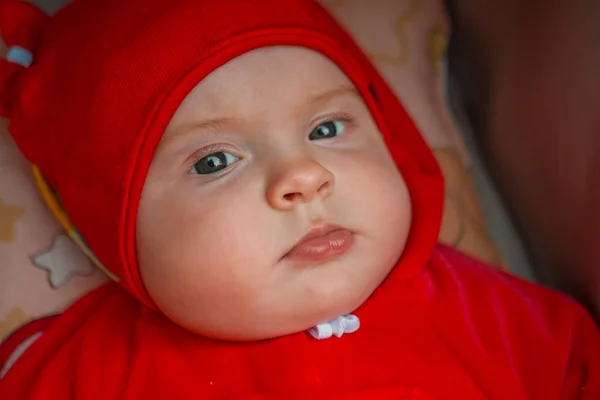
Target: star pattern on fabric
{"points": [[9, 215], [15, 318], [403, 48], [437, 42], [63, 261]]}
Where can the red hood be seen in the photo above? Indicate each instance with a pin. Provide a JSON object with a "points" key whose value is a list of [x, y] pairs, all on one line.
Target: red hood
{"points": [[109, 74]]}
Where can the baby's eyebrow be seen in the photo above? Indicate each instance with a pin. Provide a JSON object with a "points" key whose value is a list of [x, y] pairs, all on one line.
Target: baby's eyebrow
{"points": [[336, 92], [209, 124]]}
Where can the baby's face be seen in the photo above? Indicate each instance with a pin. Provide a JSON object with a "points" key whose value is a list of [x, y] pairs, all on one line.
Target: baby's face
{"points": [[272, 146]]}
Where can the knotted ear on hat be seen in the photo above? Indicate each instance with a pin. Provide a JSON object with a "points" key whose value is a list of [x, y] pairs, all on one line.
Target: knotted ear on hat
{"points": [[21, 24]]}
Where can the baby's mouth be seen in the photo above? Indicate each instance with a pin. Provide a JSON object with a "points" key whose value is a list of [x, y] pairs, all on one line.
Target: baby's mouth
{"points": [[320, 244]]}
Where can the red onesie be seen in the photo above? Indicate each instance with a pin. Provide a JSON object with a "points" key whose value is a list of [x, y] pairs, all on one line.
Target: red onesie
{"points": [[89, 93]]}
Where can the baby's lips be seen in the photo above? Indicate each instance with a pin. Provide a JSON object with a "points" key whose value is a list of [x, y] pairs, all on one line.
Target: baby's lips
{"points": [[321, 244]]}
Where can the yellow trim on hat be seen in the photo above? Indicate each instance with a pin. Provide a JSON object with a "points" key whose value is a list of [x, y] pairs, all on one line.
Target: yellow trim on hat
{"points": [[55, 206]]}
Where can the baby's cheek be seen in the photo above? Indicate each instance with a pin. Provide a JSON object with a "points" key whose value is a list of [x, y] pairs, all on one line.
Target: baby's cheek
{"points": [[165, 241], [384, 199], [375, 179], [201, 251]]}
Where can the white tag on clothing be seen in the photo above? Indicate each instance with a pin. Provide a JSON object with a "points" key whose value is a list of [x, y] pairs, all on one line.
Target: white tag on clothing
{"points": [[347, 323]]}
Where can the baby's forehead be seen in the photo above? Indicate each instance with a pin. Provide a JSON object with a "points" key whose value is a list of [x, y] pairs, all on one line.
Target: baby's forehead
{"points": [[284, 73]]}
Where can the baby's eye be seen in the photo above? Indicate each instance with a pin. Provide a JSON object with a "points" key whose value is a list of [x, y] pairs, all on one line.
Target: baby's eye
{"points": [[327, 130], [213, 163]]}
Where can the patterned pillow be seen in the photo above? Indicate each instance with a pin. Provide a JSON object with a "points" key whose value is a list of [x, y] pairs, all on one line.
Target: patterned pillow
{"points": [[41, 269]]}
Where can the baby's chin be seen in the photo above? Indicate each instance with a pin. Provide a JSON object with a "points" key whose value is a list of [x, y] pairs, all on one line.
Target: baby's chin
{"points": [[290, 323]]}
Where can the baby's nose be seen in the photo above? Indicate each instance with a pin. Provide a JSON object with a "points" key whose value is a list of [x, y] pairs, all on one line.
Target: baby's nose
{"points": [[300, 181]]}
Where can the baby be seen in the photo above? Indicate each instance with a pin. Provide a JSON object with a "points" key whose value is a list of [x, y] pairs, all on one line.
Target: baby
{"points": [[269, 214]]}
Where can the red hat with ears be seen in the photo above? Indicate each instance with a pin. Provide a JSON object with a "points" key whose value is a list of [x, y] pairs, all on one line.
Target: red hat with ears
{"points": [[90, 91]]}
